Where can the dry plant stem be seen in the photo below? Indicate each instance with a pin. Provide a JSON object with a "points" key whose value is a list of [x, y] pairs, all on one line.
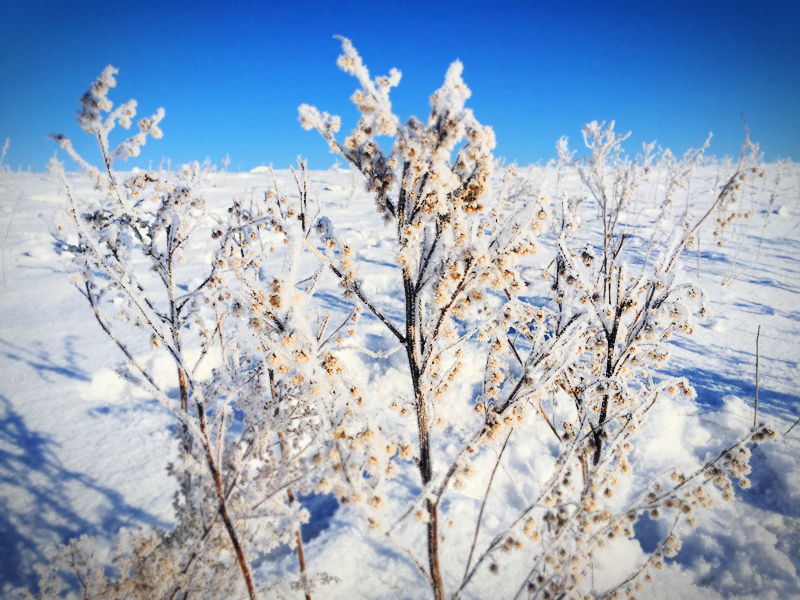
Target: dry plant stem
{"points": [[222, 506], [104, 263], [698, 255], [120, 345], [175, 310], [549, 424], [143, 305], [792, 427], [755, 415], [301, 557], [433, 549], [357, 290], [483, 504], [174, 349], [725, 189], [411, 556], [5, 236], [184, 388], [730, 274], [611, 342], [412, 344]]}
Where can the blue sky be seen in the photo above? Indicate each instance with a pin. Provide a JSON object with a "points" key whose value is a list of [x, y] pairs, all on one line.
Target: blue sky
{"points": [[230, 76]]}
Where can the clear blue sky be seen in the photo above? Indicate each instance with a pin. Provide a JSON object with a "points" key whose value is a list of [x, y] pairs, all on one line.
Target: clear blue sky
{"points": [[231, 75]]}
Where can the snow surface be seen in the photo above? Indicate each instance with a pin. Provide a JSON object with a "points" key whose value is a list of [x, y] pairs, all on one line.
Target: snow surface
{"points": [[81, 451]]}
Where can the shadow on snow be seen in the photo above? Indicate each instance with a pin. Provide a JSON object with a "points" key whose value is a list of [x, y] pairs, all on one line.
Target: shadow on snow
{"points": [[41, 500]]}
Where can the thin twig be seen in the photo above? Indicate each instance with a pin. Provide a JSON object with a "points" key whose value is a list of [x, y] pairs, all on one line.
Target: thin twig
{"points": [[8, 229], [301, 558], [755, 415], [357, 291], [698, 254], [553, 429], [413, 558], [483, 504]]}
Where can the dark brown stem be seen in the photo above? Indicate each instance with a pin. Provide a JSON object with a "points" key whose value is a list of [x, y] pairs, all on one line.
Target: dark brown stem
{"points": [[412, 344], [184, 391], [611, 342], [223, 509], [598, 441], [426, 470], [553, 429], [301, 557], [433, 550], [184, 388]]}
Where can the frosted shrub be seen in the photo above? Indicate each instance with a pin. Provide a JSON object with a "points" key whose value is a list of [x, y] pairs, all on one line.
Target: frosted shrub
{"points": [[472, 261], [247, 430], [6, 145], [527, 331]]}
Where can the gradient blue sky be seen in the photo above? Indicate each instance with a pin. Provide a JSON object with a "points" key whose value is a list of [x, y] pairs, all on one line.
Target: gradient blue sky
{"points": [[231, 75]]}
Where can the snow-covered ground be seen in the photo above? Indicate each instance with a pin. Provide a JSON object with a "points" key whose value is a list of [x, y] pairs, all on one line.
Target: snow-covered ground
{"points": [[83, 452]]}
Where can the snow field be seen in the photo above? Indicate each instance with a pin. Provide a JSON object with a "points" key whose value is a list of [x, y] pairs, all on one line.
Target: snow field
{"points": [[84, 452]]}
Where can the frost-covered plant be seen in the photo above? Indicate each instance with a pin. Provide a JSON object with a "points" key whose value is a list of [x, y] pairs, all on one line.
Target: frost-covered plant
{"points": [[453, 250], [465, 254], [630, 312], [249, 428], [749, 198], [6, 145], [510, 311]]}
